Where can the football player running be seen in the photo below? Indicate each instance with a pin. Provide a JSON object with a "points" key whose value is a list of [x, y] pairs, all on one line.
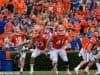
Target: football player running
{"points": [[87, 54], [96, 54]]}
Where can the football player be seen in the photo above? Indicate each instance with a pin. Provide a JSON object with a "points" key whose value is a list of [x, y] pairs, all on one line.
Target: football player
{"points": [[59, 44], [87, 54], [39, 40], [96, 53], [18, 38]]}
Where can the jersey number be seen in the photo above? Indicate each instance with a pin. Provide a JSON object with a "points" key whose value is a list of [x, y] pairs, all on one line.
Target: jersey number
{"points": [[59, 42]]}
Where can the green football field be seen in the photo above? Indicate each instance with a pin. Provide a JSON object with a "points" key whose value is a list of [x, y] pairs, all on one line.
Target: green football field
{"points": [[45, 73]]}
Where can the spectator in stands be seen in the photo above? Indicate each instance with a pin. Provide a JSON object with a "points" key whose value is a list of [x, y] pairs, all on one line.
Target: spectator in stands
{"points": [[2, 23], [29, 4], [10, 7], [74, 43]]}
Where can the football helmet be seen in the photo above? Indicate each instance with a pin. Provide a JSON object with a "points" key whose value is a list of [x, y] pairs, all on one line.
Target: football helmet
{"points": [[61, 30]]}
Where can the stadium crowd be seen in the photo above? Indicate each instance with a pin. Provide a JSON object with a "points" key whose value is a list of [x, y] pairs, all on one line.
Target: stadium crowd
{"points": [[80, 18]]}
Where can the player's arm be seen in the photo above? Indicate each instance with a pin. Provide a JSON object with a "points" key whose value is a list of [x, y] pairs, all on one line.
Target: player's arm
{"points": [[48, 43], [24, 35], [89, 48], [31, 43], [66, 45]]}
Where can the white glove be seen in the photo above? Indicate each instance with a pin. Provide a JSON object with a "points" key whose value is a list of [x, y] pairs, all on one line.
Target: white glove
{"points": [[31, 50], [79, 55]]}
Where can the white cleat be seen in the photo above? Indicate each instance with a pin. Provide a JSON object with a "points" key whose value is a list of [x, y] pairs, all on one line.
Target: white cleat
{"points": [[31, 72], [98, 73], [76, 71], [57, 73], [69, 73]]}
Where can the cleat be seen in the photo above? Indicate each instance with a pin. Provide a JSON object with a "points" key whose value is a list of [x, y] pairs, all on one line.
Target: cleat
{"points": [[31, 72], [98, 73], [76, 71], [86, 72], [21, 73], [68, 73], [57, 73]]}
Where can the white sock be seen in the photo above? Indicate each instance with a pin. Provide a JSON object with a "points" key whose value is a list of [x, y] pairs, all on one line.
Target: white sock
{"points": [[87, 68], [21, 69], [98, 66], [78, 67], [31, 67], [55, 69], [67, 70]]}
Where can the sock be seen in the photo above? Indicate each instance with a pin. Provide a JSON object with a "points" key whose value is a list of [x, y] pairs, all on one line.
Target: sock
{"points": [[31, 67], [87, 68], [55, 69], [68, 68], [21, 69], [98, 66], [78, 67]]}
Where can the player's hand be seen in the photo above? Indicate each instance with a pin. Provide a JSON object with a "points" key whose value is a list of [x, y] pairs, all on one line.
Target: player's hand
{"points": [[46, 50], [31, 50], [79, 55]]}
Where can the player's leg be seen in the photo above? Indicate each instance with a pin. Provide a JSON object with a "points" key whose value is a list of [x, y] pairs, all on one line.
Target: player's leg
{"points": [[98, 67], [32, 65], [64, 57], [22, 62], [85, 60], [22, 58], [91, 62], [35, 53], [86, 70], [97, 57], [54, 58]]}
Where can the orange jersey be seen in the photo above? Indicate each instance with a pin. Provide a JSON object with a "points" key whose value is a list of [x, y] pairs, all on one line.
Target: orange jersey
{"points": [[59, 40], [85, 11], [8, 27], [15, 3], [93, 43], [2, 2], [7, 2], [85, 42], [97, 13], [67, 4], [1, 40], [18, 38], [45, 5], [59, 9], [58, 0], [21, 8], [77, 27], [85, 26], [94, 40], [40, 42]]}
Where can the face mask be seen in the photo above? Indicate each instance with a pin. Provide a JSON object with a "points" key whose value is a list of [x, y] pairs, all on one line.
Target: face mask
{"points": [[61, 32]]}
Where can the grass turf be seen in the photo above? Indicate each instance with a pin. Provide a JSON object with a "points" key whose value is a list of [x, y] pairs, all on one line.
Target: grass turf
{"points": [[48, 73]]}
